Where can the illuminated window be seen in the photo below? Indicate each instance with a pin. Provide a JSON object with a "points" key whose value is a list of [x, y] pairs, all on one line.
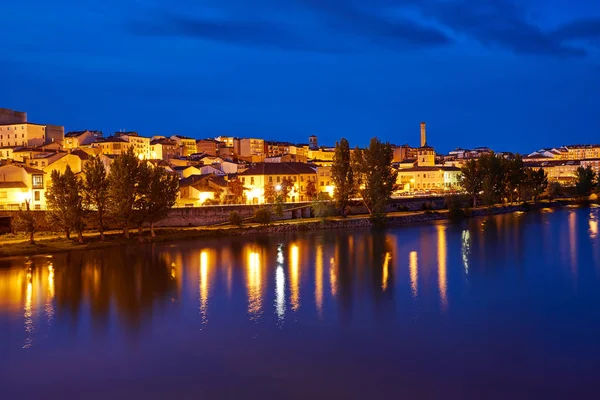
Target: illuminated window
{"points": [[36, 195], [38, 181]]}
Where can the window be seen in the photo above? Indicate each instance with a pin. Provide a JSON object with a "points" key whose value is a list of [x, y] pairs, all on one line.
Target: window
{"points": [[252, 180], [270, 179], [278, 179], [322, 183], [3, 195], [38, 181], [295, 179], [37, 207], [36, 195], [301, 179]]}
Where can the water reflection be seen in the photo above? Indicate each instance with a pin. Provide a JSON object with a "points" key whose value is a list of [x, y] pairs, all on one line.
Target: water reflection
{"points": [[254, 285], [280, 285], [414, 272], [319, 279], [204, 285], [294, 277], [442, 278], [573, 241], [466, 249]]}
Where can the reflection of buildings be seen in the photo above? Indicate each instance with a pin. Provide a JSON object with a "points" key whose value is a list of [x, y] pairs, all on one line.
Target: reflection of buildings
{"points": [[442, 277]]}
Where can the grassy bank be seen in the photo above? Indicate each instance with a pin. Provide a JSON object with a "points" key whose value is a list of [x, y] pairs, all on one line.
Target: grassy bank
{"points": [[17, 245]]}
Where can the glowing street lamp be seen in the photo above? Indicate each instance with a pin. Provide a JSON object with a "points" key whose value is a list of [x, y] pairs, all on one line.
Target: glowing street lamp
{"points": [[278, 188]]}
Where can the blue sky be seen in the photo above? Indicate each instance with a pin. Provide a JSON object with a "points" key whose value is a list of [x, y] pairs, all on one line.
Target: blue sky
{"points": [[500, 73]]}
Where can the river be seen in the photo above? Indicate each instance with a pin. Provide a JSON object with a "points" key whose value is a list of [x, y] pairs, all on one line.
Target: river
{"points": [[503, 307]]}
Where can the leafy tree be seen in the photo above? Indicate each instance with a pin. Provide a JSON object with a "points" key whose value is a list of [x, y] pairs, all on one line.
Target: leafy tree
{"points": [[262, 216], [270, 193], [95, 190], [493, 173], [123, 189], [585, 180], [236, 190], [553, 190], [375, 178], [28, 221], [323, 209], [286, 188], [235, 218], [534, 184], [311, 190], [515, 176], [65, 202], [157, 193], [342, 175], [471, 179]]}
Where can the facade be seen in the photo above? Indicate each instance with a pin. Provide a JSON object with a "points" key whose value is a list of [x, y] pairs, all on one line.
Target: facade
{"points": [[404, 152], [324, 181], [164, 149], [76, 139], [253, 148], [425, 156], [75, 160], [433, 178], [187, 144], [140, 144], [562, 171], [19, 184], [257, 177], [112, 145], [274, 149], [8, 116], [580, 152], [321, 155], [200, 190], [208, 146], [313, 142]]}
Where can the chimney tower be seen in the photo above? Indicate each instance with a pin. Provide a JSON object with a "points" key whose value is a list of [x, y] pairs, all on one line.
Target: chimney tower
{"points": [[423, 135]]}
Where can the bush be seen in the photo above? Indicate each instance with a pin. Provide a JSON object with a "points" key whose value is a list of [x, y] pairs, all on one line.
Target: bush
{"points": [[323, 209], [263, 216], [235, 218], [455, 205], [211, 202]]}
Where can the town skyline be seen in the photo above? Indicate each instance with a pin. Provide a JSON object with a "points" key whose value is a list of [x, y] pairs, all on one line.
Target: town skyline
{"points": [[501, 74]]}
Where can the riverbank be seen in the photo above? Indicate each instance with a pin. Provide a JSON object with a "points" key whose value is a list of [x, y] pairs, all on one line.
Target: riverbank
{"points": [[49, 244]]}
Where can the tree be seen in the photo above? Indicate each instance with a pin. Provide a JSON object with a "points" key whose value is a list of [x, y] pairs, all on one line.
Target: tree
{"points": [[375, 178], [95, 190], [236, 190], [122, 190], [471, 179], [493, 174], [553, 190], [28, 221], [585, 181], [342, 175], [287, 185], [311, 190], [534, 184], [235, 218], [270, 193], [65, 202], [157, 193], [262, 216], [515, 176]]}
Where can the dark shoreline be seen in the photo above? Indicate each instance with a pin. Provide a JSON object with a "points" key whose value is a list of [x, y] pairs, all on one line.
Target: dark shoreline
{"points": [[51, 246]]}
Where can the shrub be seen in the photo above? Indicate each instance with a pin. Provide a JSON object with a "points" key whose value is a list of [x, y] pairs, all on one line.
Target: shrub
{"points": [[262, 216], [455, 205], [323, 209], [235, 218]]}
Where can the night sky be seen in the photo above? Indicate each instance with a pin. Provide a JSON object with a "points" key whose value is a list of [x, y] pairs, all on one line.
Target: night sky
{"points": [[515, 76]]}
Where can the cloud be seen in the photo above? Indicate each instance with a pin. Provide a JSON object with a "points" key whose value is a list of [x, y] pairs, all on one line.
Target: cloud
{"points": [[583, 29], [266, 26], [498, 23]]}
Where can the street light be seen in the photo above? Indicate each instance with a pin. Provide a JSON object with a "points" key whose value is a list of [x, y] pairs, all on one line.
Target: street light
{"points": [[278, 188]]}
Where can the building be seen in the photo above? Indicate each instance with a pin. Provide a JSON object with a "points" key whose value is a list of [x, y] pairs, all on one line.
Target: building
{"points": [[561, 171], [21, 184], [256, 178], [404, 152], [200, 190], [251, 149], [580, 151], [76, 139], [208, 146], [431, 178], [76, 160], [321, 155], [140, 144], [187, 144], [164, 149], [324, 180], [8, 116], [313, 142], [274, 149], [28, 134], [286, 158], [112, 145]]}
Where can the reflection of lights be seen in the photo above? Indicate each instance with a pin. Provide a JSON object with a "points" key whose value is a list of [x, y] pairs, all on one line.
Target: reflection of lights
{"points": [[50, 297], [319, 279], [332, 277], [294, 278], [280, 292], [28, 313], [466, 249], [573, 241], [254, 286], [593, 226], [442, 279], [203, 285], [414, 272], [385, 272], [173, 274]]}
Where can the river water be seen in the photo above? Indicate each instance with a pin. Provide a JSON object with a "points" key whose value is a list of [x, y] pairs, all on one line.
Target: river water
{"points": [[503, 307]]}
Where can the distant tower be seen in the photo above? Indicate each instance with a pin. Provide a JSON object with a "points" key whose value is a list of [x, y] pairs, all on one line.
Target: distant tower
{"points": [[312, 142], [423, 135]]}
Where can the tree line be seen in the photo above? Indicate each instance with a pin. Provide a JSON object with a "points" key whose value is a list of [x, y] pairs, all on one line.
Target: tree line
{"points": [[132, 193]]}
